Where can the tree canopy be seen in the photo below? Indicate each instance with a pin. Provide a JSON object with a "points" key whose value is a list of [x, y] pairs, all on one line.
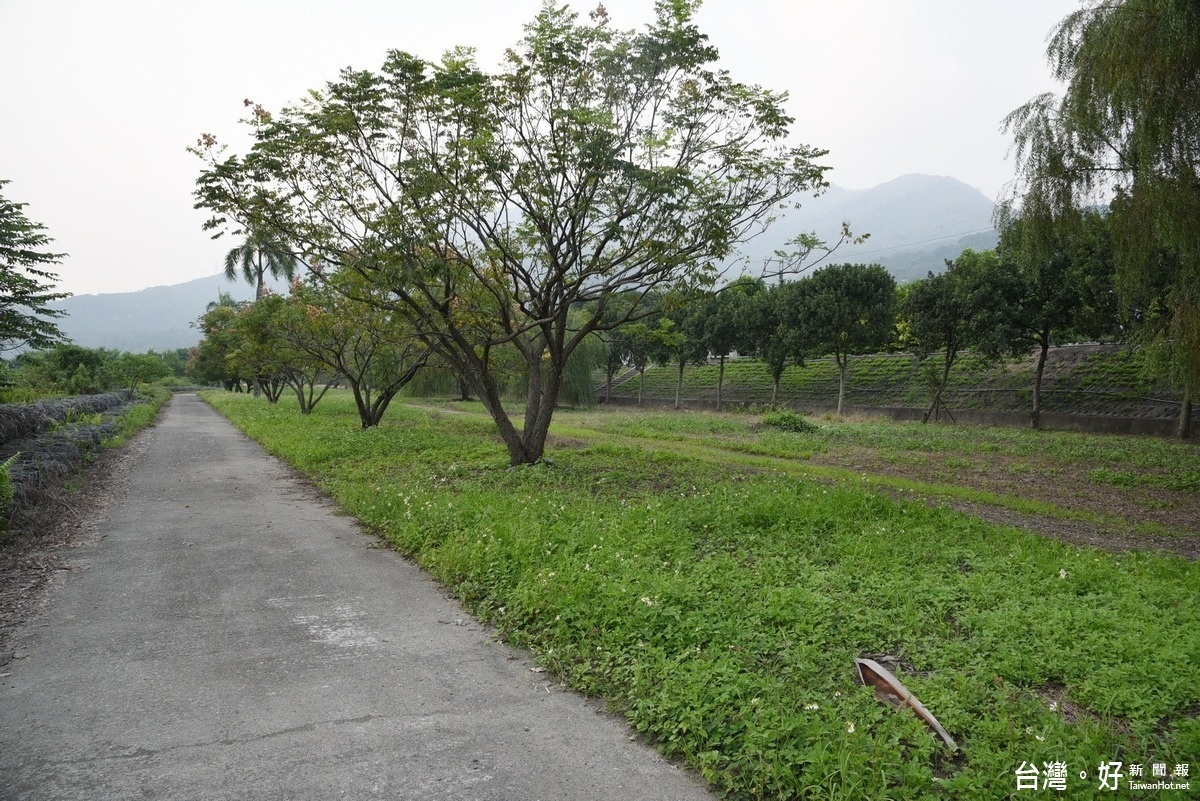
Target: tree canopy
{"points": [[594, 163], [1127, 127], [848, 309], [26, 285], [257, 257]]}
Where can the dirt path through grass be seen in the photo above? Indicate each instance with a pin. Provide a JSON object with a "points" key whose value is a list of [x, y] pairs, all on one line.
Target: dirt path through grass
{"points": [[1110, 492]]}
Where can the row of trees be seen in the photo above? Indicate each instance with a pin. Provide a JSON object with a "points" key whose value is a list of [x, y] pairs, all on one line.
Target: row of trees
{"points": [[598, 177], [69, 369], [992, 302], [309, 341]]}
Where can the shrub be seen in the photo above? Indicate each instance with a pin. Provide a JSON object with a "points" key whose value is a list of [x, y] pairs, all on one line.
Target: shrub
{"points": [[790, 421]]}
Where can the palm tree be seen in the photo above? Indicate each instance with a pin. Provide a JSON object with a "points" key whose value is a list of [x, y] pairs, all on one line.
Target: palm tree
{"points": [[257, 256], [223, 299]]}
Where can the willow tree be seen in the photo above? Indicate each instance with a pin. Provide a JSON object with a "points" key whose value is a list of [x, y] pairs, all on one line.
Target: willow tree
{"points": [[1128, 127], [593, 163]]}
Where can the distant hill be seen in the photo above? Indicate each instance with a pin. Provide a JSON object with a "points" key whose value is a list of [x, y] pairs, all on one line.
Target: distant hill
{"points": [[157, 318], [916, 222]]}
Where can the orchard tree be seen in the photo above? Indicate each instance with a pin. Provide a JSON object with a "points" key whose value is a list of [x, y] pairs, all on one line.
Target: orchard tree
{"points": [[649, 341], [137, 368], [956, 309], [1126, 126], [258, 352], [848, 309], [486, 207], [26, 285], [771, 329], [716, 325], [1046, 293], [373, 349], [683, 346], [209, 362]]}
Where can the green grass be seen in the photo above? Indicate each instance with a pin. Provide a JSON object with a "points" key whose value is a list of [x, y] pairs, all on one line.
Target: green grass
{"points": [[142, 413], [717, 600]]}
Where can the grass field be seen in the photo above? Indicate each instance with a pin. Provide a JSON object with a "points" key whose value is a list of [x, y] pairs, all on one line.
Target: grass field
{"points": [[713, 579]]}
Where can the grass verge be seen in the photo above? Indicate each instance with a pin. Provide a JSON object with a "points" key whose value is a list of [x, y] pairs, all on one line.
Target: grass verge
{"points": [[719, 608]]}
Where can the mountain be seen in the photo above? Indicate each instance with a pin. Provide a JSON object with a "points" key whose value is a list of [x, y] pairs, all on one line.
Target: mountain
{"points": [[915, 223], [157, 318]]}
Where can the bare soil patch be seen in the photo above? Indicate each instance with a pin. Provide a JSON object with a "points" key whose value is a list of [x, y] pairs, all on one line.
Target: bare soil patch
{"points": [[1127, 509]]}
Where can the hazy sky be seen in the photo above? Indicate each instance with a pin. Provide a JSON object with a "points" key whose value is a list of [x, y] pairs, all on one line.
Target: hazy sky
{"points": [[100, 99]]}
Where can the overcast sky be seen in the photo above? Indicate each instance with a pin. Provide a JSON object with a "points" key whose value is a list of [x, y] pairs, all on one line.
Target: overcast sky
{"points": [[100, 99]]}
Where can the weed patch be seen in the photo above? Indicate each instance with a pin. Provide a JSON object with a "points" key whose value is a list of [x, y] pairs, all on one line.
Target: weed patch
{"points": [[789, 421]]}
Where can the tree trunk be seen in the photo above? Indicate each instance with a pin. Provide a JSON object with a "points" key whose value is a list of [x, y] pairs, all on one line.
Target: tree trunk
{"points": [[1183, 426], [843, 361], [937, 392], [775, 390], [1036, 415], [363, 402], [720, 380], [641, 383], [679, 384], [489, 394], [260, 289]]}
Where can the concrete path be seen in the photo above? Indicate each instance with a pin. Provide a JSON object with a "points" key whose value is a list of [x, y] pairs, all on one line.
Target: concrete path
{"points": [[234, 638]]}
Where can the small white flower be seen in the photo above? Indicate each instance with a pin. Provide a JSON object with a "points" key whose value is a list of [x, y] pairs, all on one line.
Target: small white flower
{"points": [[812, 706], [849, 727], [647, 600], [1054, 706], [1039, 738], [1062, 574]]}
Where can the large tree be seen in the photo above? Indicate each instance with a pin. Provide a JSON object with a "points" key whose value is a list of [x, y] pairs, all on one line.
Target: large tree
{"points": [[26, 285], [593, 163], [1127, 126]]}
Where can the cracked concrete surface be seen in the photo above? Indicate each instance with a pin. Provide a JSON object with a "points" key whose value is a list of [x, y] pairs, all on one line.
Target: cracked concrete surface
{"points": [[234, 638]]}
